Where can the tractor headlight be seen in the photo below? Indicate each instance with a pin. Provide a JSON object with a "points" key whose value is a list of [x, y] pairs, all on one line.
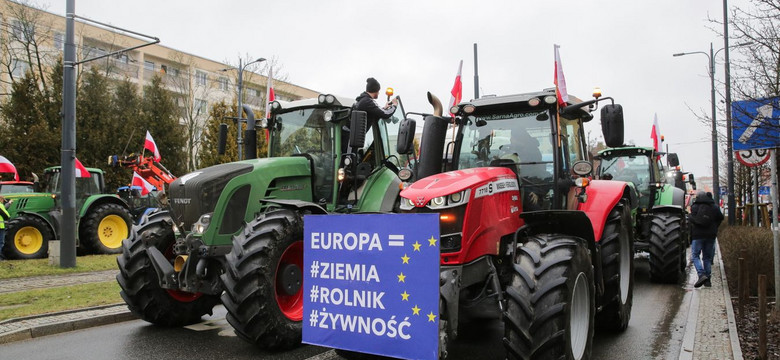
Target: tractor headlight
{"points": [[550, 99], [407, 204], [452, 200], [438, 201], [202, 224]]}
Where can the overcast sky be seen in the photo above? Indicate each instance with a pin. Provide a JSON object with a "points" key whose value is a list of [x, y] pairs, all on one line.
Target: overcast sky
{"points": [[624, 47]]}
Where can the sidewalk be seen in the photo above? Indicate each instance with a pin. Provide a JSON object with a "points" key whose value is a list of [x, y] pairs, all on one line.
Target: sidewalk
{"points": [[711, 331], [54, 323]]}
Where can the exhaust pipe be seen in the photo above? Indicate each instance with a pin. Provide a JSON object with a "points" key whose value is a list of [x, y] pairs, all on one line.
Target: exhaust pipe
{"points": [[433, 100]]}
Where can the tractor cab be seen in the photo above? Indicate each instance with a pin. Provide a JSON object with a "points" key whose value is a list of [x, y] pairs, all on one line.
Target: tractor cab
{"points": [[345, 152]]}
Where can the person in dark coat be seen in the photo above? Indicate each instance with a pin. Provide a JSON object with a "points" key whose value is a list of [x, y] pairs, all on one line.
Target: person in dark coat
{"points": [[705, 218], [365, 102]]}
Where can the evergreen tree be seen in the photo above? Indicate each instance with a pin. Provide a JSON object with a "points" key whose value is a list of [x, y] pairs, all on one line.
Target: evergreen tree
{"points": [[126, 117], [160, 115], [96, 132], [30, 139], [219, 113]]}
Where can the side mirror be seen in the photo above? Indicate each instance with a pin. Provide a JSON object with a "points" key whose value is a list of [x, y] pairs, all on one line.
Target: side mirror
{"points": [[691, 179], [222, 139], [405, 141], [612, 125], [357, 129], [673, 159]]}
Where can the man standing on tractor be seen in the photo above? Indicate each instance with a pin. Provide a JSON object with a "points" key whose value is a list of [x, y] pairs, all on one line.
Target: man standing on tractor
{"points": [[706, 217], [365, 102]]}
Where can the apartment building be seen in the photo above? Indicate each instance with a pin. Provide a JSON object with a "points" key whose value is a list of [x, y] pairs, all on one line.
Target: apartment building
{"points": [[31, 37]]}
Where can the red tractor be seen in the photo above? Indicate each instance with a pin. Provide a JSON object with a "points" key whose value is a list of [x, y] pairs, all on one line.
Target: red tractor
{"points": [[526, 234]]}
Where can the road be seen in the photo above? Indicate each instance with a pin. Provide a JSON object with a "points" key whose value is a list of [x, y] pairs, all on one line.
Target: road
{"points": [[655, 332]]}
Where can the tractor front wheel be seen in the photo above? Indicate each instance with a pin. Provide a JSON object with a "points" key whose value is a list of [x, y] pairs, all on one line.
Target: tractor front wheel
{"points": [[667, 248], [617, 264], [264, 281], [140, 286], [27, 237], [551, 300], [104, 228]]}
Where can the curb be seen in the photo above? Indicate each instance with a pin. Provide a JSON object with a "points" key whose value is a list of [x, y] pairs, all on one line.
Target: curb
{"points": [[736, 349], [26, 332]]}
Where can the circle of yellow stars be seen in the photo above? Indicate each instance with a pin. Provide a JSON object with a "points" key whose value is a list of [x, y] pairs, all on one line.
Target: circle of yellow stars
{"points": [[402, 278]]}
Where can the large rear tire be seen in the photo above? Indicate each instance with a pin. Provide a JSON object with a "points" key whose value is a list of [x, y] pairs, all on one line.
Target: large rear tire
{"points": [[551, 300], [104, 229], [667, 248], [27, 237], [263, 282], [617, 264], [139, 282]]}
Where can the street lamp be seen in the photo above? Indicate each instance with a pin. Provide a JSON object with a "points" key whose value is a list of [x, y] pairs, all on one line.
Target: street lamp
{"points": [[715, 174], [711, 62], [239, 112]]}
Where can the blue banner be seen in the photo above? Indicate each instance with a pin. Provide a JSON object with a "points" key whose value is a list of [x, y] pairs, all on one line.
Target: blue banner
{"points": [[755, 124], [371, 283]]}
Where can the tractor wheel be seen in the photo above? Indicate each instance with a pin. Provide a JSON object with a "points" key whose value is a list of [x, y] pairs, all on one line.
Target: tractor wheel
{"points": [[140, 286], [667, 248], [551, 300], [617, 264], [27, 237], [104, 228], [263, 281]]}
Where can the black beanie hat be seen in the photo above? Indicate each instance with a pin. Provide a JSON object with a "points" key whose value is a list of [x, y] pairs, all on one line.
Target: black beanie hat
{"points": [[372, 85]]}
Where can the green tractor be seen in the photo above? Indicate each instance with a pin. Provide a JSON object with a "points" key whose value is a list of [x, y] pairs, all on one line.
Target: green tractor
{"points": [[234, 232], [659, 207], [103, 219]]}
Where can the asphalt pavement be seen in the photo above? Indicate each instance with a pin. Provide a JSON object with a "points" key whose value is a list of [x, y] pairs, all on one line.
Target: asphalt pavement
{"points": [[668, 322]]}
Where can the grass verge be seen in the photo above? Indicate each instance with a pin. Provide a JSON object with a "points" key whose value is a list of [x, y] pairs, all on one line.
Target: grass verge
{"points": [[41, 301], [38, 267]]}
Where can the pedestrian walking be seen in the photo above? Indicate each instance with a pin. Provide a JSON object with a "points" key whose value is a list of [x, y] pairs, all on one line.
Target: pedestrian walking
{"points": [[4, 216], [706, 218]]}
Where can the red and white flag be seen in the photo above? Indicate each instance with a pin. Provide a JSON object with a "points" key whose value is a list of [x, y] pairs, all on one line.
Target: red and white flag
{"points": [[269, 96], [655, 134], [150, 145], [145, 186], [7, 167], [457, 89], [81, 171], [560, 81]]}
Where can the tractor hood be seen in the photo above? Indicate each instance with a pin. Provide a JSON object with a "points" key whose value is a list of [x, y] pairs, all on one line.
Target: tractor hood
{"points": [[423, 190]]}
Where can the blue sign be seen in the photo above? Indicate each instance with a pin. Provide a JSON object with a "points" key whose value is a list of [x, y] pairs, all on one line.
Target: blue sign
{"points": [[763, 190], [371, 283], [755, 124], [724, 190]]}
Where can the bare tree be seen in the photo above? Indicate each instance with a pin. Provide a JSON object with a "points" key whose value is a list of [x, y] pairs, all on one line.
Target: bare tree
{"points": [[24, 43]]}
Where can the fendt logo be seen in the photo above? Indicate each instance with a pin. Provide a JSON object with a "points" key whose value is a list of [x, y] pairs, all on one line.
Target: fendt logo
{"points": [[185, 201]]}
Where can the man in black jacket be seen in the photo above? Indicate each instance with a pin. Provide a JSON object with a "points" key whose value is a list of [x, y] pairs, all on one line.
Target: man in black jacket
{"points": [[365, 102], [705, 217]]}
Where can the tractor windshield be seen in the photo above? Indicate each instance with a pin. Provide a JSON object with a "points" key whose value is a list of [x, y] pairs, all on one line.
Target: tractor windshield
{"points": [[516, 137], [84, 186], [635, 169], [302, 131]]}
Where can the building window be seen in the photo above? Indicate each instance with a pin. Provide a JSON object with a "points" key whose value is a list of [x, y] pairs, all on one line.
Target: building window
{"points": [[223, 83], [148, 65], [200, 78], [200, 106], [19, 68], [22, 31], [59, 40]]}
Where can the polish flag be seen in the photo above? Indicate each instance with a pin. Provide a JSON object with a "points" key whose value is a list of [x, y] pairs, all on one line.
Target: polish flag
{"points": [[560, 81], [655, 134], [150, 145], [7, 167], [81, 171], [145, 186], [457, 89]]}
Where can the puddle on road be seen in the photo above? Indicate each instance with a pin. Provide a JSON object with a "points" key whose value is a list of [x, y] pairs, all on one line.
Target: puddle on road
{"points": [[669, 332]]}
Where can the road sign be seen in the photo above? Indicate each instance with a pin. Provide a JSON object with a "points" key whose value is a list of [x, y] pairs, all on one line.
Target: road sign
{"points": [[763, 190], [372, 283], [752, 158], [756, 124], [724, 191]]}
